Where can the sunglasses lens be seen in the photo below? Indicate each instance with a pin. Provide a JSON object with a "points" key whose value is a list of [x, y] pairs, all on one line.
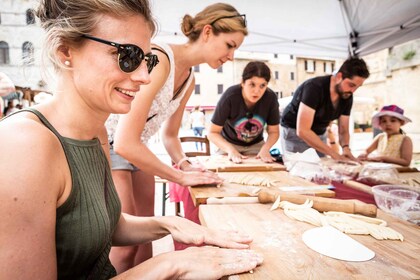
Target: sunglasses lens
{"points": [[151, 60], [130, 57]]}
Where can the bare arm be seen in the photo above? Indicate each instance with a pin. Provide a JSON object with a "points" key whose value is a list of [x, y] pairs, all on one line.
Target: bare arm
{"points": [[372, 147], [215, 136], [406, 154], [304, 123], [32, 180], [344, 136], [209, 262], [273, 135], [171, 128]]}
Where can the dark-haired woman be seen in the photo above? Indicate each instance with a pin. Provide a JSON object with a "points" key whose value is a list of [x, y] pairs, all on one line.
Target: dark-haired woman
{"points": [[242, 114]]}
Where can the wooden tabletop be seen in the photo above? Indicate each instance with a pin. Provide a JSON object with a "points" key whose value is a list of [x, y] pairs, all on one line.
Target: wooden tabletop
{"points": [[222, 163], [279, 239], [283, 180]]}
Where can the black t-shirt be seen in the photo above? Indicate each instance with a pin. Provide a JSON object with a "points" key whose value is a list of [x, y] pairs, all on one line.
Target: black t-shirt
{"points": [[315, 93], [243, 126]]}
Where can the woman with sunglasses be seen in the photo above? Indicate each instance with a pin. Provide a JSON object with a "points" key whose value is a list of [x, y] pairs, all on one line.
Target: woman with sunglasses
{"points": [[214, 34], [60, 213], [243, 112]]}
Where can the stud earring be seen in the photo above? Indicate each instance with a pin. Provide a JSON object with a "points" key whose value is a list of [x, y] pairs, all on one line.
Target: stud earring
{"points": [[67, 63]]}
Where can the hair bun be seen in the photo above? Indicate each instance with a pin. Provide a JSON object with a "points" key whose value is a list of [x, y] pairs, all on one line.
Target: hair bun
{"points": [[187, 25]]}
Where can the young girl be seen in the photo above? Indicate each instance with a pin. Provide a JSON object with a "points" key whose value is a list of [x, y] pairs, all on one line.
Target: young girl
{"points": [[392, 145]]}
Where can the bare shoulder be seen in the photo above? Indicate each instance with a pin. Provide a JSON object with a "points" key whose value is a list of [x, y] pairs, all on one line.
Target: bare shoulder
{"points": [[31, 179], [32, 153], [407, 140]]}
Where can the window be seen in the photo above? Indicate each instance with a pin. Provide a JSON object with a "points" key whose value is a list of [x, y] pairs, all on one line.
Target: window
{"points": [[220, 69], [4, 53], [28, 53], [219, 89], [30, 17], [309, 66], [197, 68], [292, 76], [276, 75], [197, 89]]}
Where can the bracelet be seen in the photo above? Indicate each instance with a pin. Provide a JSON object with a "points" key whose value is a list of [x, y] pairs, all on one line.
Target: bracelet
{"points": [[332, 143], [345, 146], [181, 161]]}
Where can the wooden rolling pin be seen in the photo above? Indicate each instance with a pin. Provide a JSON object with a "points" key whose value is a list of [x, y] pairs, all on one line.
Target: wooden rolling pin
{"points": [[358, 186], [321, 204]]}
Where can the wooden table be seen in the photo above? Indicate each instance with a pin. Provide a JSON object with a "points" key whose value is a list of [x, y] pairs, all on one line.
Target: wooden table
{"points": [[221, 163], [279, 239], [200, 195]]}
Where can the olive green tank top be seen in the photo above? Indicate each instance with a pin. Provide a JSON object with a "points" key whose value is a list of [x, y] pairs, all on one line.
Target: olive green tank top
{"points": [[87, 219]]}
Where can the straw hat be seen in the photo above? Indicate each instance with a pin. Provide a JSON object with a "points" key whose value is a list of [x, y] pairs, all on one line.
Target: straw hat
{"points": [[390, 110]]}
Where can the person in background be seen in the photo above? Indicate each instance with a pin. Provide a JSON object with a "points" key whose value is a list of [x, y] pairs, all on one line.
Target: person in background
{"points": [[198, 123], [242, 114], [6, 85], [392, 145], [60, 210], [316, 103], [213, 36]]}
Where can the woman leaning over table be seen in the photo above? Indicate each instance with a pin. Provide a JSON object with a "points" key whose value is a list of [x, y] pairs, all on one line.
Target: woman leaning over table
{"points": [[213, 36], [60, 212], [243, 112]]}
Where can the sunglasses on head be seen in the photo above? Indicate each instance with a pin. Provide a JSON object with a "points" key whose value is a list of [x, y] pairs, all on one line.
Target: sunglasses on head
{"points": [[129, 56], [243, 16]]}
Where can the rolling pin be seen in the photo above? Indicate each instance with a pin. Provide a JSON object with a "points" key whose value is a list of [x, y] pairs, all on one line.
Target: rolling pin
{"points": [[358, 186], [321, 204]]}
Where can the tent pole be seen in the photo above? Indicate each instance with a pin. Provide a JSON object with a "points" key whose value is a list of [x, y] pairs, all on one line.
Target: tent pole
{"points": [[352, 37]]}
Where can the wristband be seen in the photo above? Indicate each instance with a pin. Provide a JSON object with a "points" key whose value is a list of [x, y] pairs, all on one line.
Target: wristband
{"points": [[332, 143], [181, 161], [345, 146]]}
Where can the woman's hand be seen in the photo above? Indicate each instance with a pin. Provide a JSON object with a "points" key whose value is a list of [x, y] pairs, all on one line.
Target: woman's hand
{"points": [[185, 231], [265, 156], [194, 178], [363, 156], [213, 263], [236, 156]]}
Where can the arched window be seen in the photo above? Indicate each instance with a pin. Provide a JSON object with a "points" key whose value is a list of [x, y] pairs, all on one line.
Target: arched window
{"points": [[30, 17], [4, 53], [28, 53]]}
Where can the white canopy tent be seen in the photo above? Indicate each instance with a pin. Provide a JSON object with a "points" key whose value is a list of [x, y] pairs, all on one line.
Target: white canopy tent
{"points": [[315, 28]]}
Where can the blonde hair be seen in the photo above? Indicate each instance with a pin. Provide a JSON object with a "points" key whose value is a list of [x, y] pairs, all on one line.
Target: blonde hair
{"points": [[66, 20], [213, 14]]}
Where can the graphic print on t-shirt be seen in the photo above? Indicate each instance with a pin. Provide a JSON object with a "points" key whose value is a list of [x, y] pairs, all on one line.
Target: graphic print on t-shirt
{"points": [[249, 129]]}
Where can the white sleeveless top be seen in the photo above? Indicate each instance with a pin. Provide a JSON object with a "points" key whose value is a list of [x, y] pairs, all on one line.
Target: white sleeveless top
{"points": [[163, 107]]}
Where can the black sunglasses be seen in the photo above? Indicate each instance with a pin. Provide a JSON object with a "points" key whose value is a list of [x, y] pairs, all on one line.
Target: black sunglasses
{"points": [[243, 16], [129, 56]]}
